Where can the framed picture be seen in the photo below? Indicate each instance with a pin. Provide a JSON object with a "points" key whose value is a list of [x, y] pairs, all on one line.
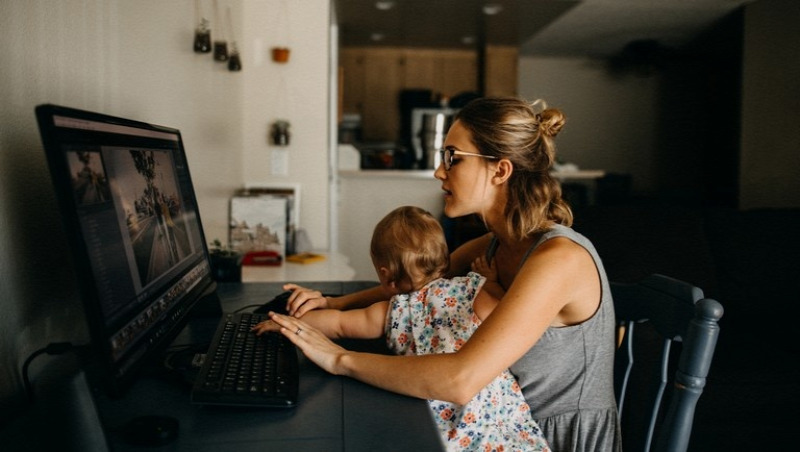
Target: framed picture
{"points": [[264, 218], [258, 224]]}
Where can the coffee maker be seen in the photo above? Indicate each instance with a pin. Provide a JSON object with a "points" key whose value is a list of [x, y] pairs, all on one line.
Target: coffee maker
{"points": [[429, 128], [425, 120]]}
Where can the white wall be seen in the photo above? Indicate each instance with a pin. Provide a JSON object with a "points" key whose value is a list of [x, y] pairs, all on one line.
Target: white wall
{"points": [[135, 59], [296, 91]]}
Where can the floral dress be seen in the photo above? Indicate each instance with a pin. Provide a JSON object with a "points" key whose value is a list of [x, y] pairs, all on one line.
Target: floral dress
{"points": [[439, 319]]}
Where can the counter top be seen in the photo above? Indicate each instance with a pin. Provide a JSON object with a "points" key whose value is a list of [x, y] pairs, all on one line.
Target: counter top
{"points": [[335, 267], [428, 174], [395, 174]]}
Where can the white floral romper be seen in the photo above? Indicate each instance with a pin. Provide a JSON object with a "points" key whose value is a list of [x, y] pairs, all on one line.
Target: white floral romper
{"points": [[439, 319]]}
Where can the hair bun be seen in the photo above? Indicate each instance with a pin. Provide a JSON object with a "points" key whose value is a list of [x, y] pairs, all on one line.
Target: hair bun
{"points": [[551, 120]]}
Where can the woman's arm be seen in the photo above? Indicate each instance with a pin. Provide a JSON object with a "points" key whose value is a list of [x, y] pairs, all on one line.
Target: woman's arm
{"points": [[303, 300], [462, 257], [545, 285]]}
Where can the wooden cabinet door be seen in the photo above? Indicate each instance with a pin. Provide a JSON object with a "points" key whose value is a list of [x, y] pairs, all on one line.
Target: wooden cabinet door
{"points": [[456, 72], [500, 75], [375, 76], [419, 69], [351, 62], [383, 81]]}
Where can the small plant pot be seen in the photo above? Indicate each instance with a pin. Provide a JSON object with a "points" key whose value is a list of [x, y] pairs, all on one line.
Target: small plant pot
{"points": [[280, 54], [226, 267]]}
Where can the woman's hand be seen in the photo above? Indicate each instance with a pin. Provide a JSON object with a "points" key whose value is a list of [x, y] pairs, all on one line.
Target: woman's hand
{"points": [[315, 345], [303, 300]]}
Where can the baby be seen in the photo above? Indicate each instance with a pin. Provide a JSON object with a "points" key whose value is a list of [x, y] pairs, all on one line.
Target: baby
{"points": [[432, 314]]}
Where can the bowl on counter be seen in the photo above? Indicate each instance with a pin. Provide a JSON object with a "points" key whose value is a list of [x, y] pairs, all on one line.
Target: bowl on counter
{"points": [[386, 156]]}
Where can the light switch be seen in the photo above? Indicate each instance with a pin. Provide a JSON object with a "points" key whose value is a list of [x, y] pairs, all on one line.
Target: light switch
{"points": [[279, 162]]}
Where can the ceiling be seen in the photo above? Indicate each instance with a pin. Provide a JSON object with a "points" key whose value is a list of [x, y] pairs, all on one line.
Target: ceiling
{"points": [[539, 27]]}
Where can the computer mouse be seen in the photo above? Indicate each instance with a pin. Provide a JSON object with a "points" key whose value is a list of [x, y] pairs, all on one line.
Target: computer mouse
{"points": [[150, 430], [277, 304]]}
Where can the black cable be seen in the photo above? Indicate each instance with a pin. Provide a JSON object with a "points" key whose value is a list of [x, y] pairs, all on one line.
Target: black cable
{"points": [[247, 307], [54, 348]]}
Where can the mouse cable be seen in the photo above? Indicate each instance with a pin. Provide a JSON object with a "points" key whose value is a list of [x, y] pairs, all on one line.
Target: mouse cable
{"points": [[54, 348], [247, 307]]}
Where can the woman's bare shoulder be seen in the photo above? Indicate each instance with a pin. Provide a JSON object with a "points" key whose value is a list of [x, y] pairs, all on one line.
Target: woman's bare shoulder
{"points": [[570, 275], [559, 258]]}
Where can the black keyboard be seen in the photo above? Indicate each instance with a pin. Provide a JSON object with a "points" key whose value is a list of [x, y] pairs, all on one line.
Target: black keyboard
{"points": [[241, 368]]}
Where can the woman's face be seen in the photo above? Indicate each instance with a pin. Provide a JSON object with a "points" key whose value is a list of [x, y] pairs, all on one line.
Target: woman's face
{"points": [[466, 184]]}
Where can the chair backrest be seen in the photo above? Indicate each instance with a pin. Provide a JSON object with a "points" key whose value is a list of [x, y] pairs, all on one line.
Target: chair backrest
{"points": [[663, 310]]}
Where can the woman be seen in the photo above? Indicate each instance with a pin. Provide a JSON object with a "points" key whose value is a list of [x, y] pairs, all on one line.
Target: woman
{"points": [[553, 327]]}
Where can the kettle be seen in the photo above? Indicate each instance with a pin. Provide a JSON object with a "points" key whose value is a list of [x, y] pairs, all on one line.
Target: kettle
{"points": [[432, 134]]}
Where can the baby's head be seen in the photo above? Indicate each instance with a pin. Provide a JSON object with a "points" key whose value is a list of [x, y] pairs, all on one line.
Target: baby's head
{"points": [[408, 249]]}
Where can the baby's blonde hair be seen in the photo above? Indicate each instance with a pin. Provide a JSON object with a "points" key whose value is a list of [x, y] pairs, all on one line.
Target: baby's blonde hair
{"points": [[409, 242]]}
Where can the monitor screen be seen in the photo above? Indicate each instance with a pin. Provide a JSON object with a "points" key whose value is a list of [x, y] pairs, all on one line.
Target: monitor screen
{"points": [[132, 219]]}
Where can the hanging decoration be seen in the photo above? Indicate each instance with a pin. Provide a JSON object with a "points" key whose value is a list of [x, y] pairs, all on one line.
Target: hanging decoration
{"points": [[280, 54], [280, 133], [202, 34], [234, 61], [220, 45]]}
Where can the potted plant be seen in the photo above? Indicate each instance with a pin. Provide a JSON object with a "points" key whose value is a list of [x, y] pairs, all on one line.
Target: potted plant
{"points": [[226, 262]]}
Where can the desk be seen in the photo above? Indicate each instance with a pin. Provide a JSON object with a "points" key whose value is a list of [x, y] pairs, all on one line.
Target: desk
{"points": [[333, 413]]}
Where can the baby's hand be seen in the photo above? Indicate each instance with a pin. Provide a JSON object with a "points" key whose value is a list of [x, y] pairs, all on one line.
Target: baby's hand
{"points": [[265, 327], [485, 268]]}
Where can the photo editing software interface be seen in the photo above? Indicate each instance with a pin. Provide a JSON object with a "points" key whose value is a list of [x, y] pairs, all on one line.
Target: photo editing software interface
{"points": [[132, 219]]}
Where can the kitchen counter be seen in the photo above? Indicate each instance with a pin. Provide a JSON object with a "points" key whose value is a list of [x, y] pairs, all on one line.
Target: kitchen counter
{"points": [[365, 196], [576, 175], [387, 173]]}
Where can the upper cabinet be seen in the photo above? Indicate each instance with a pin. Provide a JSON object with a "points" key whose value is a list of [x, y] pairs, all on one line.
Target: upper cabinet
{"points": [[373, 77], [500, 71]]}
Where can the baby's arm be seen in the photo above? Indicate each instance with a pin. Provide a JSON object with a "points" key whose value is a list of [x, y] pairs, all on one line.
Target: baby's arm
{"points": [[488, 270], [365, 323]]}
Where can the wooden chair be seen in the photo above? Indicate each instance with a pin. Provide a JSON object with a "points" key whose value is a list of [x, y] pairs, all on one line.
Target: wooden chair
{"points": [[662, 310]]}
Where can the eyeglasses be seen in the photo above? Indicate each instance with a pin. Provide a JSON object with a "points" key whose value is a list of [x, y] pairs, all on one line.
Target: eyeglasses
{"points": [[448, 153]]}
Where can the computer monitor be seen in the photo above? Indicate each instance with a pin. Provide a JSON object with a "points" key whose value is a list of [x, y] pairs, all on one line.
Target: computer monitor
{"points": [[132, 219]]}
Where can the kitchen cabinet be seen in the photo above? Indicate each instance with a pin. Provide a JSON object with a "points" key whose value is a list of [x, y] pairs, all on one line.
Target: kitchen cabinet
{"points": [[373, 77], [500, 71]]}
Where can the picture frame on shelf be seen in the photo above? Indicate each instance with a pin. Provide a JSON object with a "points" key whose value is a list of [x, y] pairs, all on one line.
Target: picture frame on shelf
{"points": [[262, 223]]}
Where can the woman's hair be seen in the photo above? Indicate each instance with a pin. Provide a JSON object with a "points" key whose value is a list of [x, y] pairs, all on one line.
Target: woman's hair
{"points": [[410, 243], [511, 128]]}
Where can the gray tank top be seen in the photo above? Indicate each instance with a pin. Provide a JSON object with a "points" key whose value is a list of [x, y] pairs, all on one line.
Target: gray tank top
{"points": [[567, 376]]}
